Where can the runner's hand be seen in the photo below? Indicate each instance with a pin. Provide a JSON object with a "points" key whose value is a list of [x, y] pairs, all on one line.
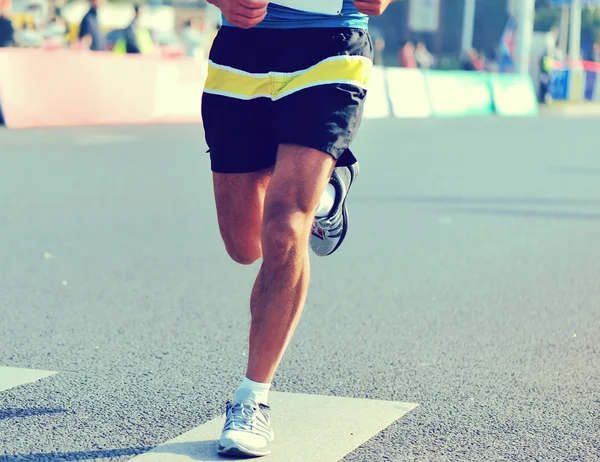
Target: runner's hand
{"points": [[372, 7], [242, 13]]}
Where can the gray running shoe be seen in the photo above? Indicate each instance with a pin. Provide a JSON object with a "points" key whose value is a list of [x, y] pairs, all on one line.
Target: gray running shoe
{"points": [[247, 431], [329, 232]]}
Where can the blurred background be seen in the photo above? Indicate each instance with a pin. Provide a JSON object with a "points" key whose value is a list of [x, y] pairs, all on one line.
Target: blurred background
{"points": [[177, 28], [560, 39], [469, 284], [412, 33]]}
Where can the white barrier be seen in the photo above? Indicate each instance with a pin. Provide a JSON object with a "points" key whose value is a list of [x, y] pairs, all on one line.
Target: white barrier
{"points": [[408, 93], [411, 93], [377, 104]]}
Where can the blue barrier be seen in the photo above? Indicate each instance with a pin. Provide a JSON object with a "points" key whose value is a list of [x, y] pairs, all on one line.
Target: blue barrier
{"points": [[591, 90], [590, 85], [575, 85], [414, 94], [559, 85]]}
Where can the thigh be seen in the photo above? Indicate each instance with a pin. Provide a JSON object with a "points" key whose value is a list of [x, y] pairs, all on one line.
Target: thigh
{"points": [[326, 118], [238, 134], [298, 181], [322, 106], [237, 117], [240, 201]]}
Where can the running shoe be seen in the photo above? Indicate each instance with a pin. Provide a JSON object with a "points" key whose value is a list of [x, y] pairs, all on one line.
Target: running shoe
{"points": [[329, 232], [247, 431]]}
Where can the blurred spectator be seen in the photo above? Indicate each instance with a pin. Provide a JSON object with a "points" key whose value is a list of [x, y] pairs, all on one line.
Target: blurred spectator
{"points": [[379, 49], [504, 59], [406, 57], [194, 38], [472, 62], [482, 62], [378, 45], [30, 35], [170, 44], [7, 32], [423, 57], [55, 32], [135, 39], [491, 65], [89, 30], [595, 54], [546, 65]]}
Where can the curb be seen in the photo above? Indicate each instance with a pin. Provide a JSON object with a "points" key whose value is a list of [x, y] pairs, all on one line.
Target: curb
{"points": [[574, 109]]}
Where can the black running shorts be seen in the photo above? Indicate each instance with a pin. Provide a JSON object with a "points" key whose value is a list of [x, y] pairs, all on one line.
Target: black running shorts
{"points": [[267, 87]]}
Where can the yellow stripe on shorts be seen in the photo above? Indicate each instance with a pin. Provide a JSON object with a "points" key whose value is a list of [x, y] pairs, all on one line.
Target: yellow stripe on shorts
{"points": [[234, 83]]}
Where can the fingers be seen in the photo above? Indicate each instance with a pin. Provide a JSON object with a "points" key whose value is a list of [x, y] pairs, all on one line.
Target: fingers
{"points": [[252, 4], [245, 22], [246, 13], [371, 7]]}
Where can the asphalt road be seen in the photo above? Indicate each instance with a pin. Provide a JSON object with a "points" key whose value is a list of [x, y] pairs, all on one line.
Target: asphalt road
{"points": [[468, 284]]}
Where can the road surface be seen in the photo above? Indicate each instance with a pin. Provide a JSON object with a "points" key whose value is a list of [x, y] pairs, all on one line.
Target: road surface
{"points": [[468, 285]]}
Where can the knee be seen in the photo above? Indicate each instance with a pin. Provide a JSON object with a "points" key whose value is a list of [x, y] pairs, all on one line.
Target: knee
{"points": [[284, 233], [244, 253]]}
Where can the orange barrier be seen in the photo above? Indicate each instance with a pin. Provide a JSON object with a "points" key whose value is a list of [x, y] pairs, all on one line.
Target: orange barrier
{"points": [[41, 88]]}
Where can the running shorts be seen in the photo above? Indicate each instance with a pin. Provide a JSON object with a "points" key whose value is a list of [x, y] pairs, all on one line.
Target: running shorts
{"points": [[267, 87]]}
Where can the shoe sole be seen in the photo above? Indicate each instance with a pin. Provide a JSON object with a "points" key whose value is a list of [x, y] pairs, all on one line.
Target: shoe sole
{"points": [[354, 171], [241, 451]]}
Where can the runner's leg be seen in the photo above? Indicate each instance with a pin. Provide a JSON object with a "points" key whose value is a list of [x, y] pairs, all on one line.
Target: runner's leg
{"points": [[240, 200], [302, 120], [241, 145], [300, 177]]}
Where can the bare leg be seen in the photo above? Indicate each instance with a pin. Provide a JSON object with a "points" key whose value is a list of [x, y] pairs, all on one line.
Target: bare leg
{"points": [[300, 177], [240, 201]]}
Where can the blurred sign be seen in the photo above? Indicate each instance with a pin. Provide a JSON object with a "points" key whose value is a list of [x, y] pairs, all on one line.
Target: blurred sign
{"points": [[507, 45], [559, 86], [424, 15]]}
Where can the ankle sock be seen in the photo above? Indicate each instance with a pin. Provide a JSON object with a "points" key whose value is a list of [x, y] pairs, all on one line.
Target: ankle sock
{"points": [[259, 392]]}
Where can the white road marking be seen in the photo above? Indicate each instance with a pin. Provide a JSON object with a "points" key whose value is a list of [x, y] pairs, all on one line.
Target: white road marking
{"points": [[11, 377], [307, 428]]}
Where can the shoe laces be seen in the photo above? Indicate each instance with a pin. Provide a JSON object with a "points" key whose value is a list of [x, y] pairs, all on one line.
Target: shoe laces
{"points": [[241, 416], [330, 223]]}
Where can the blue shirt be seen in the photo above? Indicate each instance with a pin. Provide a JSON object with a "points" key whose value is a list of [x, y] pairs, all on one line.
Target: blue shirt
{"points": [[279, 17]]}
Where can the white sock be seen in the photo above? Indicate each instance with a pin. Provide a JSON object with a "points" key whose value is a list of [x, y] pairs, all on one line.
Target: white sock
{"points": [[259, 392], [327, 201]]}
